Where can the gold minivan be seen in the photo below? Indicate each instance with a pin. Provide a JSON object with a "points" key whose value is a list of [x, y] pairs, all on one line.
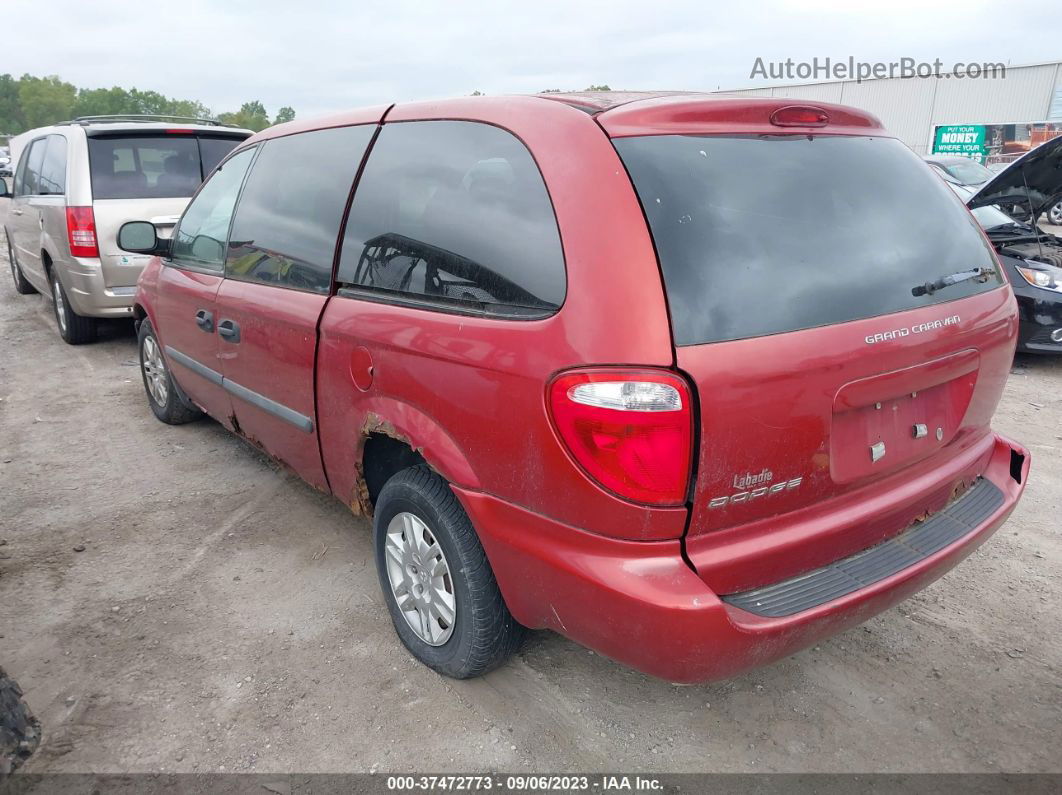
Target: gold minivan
{"points": [[77, 182]]}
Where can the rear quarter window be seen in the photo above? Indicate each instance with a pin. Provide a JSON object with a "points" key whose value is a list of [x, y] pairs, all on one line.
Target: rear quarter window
{"points": [[761, 235], [454, 215], [18, 187], [29, 183], [53, 168]]}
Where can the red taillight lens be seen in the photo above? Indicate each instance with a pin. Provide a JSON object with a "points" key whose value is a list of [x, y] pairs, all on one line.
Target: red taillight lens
{"points": [[799, 116], [631, 431], [81, 230]]}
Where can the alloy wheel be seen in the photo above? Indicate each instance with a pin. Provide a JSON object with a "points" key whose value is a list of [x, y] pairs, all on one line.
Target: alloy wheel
{"points": [[154, 371], [420, 578], [60, 304]]}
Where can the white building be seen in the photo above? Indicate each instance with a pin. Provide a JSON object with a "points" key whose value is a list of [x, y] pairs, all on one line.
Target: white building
{"points": [[1008, 113]]}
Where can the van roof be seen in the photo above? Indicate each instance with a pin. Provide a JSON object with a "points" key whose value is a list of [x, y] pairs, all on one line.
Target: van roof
{"points": [[620, 113]]}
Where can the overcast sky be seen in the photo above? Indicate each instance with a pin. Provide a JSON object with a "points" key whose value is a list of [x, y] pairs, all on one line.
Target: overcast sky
{"points": [[323, 56]]}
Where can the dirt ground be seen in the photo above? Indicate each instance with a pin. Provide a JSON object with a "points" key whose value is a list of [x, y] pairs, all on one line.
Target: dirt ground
{"points": [[170, 601]]}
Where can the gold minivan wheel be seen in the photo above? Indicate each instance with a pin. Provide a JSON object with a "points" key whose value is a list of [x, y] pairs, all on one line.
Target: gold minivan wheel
{"points": [[73, 328]]}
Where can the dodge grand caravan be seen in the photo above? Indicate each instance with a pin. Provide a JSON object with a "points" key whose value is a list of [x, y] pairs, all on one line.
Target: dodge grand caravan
{"points": [[76, 183], [694, 381]]}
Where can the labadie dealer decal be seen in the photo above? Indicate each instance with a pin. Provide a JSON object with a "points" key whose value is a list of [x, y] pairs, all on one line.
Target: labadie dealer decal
{"points": [[754, 486]]}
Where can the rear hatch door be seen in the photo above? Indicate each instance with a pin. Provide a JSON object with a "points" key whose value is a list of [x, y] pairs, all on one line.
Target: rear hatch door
{"points": [[796, 270]]}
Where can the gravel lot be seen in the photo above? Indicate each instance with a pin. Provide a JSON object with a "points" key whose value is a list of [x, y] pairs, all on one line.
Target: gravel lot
{"points": [[169, 600]]}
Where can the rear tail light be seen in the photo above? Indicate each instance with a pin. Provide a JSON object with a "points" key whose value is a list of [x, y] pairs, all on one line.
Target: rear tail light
{"points": [[631, 431], [799, 116], [81, 230]]}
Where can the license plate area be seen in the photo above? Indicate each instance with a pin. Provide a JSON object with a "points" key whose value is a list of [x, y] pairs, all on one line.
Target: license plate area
{"points": [[894, 419]]}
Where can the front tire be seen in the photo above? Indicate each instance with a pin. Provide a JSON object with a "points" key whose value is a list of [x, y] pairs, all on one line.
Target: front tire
{"points": [[22, 286], [1054, 213], [161, 390], [73, 328], [438, 584]]}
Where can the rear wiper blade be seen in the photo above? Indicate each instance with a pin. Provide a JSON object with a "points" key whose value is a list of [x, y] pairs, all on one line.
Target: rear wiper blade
{"points": [[952, 278]]}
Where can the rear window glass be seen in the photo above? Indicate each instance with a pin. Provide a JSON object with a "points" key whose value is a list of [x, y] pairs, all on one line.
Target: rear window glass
{"points": [[148, 167], [761, 235], [214, 150]]}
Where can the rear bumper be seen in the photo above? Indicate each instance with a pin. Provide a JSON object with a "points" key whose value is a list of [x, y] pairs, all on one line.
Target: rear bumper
{"points": [[639, 602], [88, 293]]}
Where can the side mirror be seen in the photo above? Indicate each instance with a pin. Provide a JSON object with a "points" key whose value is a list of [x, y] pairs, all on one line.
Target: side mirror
{"points": [[140, 237], [5, 191]]}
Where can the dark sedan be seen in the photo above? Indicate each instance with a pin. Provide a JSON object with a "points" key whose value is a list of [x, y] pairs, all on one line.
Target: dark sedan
{"points": [[1031, 257]]}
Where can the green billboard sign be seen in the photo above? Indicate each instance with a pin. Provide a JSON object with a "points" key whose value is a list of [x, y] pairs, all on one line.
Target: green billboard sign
{"points": [[966, 140]]}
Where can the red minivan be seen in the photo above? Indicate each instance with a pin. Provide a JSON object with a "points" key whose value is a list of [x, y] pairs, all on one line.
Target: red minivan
{"points": [[692, 380]]}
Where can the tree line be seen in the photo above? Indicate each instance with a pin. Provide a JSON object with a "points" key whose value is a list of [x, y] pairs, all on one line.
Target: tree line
{"points": [[28, 102]]}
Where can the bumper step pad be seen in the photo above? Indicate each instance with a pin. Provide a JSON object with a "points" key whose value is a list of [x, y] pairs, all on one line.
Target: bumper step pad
{"points": [[865, 568]]}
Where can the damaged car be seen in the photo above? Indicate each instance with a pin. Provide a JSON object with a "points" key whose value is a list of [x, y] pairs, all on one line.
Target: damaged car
{"points": [[1031, 258]]}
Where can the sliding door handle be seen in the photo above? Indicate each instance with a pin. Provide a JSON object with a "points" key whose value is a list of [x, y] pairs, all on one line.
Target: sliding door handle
{"points": [[229, 330]]}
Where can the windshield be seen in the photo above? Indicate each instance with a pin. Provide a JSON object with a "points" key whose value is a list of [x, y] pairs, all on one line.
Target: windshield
{"points": [[766, 234], [159, 166], [968, 172]]}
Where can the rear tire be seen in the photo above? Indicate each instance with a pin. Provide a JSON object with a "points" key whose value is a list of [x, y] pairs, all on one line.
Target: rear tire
{"points": [[454, 579], [22, 287], [73, 328], [162, 394]]}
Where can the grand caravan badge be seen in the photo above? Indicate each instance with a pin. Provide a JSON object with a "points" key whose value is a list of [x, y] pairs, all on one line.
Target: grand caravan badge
{"points": [[906, 331], [763, 487]]}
